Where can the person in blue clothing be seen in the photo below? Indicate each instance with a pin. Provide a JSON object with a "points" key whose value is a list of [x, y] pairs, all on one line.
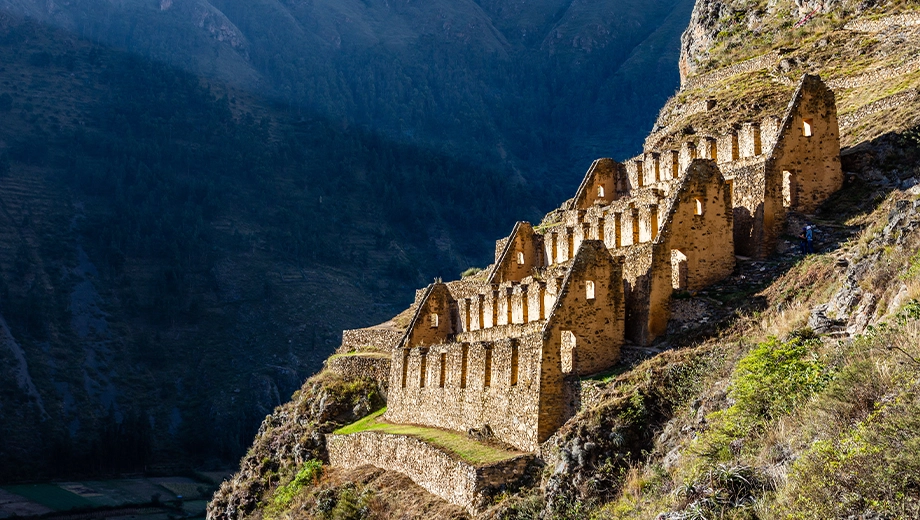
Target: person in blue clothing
{"points": [[807, 240]]}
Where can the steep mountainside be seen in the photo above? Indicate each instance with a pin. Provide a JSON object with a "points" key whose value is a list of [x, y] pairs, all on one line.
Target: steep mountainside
{"points": [[512, 82], [171, 251], [789, 390], [196, 197]]}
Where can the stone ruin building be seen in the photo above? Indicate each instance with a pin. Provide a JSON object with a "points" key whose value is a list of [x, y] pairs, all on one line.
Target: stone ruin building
{"points": [[503, 348]]}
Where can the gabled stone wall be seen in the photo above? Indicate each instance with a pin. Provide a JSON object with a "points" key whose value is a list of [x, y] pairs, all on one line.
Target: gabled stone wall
{"points": [[809, 150], [605, 181], [435, 319], [700, 228], [523, 251], [587, 322]]}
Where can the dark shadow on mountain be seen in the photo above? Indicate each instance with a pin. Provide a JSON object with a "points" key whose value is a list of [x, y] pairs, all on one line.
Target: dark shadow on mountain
{"points": [[179, 256]]}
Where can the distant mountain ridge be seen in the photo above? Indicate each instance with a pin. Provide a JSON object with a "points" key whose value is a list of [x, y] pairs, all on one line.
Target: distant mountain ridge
{"points": [[553, 60], [196, 197]]}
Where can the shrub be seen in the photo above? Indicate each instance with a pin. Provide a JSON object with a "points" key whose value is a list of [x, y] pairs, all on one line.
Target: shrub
{"points": [[870, 470], [470, 272], [308, 475], [769, 382], [776, 377]]}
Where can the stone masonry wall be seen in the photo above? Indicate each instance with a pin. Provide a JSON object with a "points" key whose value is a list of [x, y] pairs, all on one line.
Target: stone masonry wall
{"points": [[807, 160], [603, 183], [371, 366], [382, 339], [522, 252], [701, 228], [756, 63], [582, 336], [900, 20], [434, 320], [894, 101], [748, 199], [456, 481], [460, 386], [587, 322]]}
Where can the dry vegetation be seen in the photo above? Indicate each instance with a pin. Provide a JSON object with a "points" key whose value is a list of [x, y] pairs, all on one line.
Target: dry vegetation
{"points": [[885, 64], [790, 423]]}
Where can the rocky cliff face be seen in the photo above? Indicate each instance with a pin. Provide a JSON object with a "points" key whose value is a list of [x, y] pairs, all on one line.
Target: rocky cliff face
{"points": [[713, 20]]}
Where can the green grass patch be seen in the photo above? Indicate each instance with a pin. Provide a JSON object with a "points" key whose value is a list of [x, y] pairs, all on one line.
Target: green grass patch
{"points": [[608, 375], [361, 425], [50, 496], [769, 382], [470, 272], [308, 475], [467, 449]]}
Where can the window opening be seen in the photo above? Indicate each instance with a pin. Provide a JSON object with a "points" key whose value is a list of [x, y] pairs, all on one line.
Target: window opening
{"points": [[568, 351], [443, 369], [514, 365], [464, 356], [635, 227], [790, 190], [487, 382], [405, 366], [589, 290], [699, 207], [481, 313], [520, 258], [678, 270], [600, 192], [423, 368], [433, 320], [806, 127]]}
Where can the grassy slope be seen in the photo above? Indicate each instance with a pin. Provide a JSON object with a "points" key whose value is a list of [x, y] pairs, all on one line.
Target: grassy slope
{"points": [[801, 426], [453, 442]]}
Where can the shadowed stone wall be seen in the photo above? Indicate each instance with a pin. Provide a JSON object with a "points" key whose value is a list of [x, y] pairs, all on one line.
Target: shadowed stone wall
{"points": [[456, 481]]}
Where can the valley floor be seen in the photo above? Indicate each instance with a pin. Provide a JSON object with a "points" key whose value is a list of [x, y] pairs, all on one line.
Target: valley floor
{"points": [[153, 498]]}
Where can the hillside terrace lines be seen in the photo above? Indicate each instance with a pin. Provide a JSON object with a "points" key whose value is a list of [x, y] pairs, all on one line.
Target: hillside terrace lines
{"points": [[881, 24], [770, 59], [895, 100], [675, 116], [875, 76], [701, 81]]}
